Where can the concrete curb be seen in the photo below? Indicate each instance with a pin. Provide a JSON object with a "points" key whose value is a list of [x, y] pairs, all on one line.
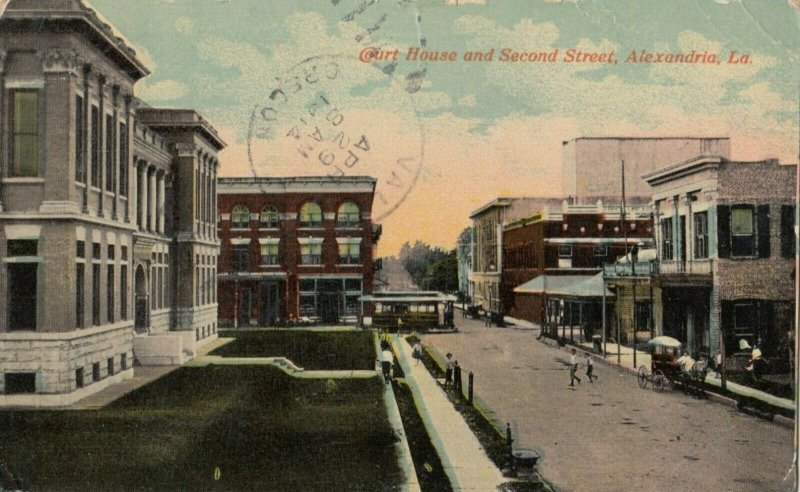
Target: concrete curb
{"points": [[783, 421], [403, 450]]}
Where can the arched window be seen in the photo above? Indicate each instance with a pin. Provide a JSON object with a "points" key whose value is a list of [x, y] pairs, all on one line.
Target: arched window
{"points": [[310, 215], [269, 217], [240, 217], [348, 215]]}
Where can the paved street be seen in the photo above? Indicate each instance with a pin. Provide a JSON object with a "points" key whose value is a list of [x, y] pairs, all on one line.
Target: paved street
{"points": [[612, 435]]}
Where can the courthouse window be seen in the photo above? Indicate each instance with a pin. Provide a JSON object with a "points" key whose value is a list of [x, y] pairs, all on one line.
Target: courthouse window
{"points": [[26, 133]]}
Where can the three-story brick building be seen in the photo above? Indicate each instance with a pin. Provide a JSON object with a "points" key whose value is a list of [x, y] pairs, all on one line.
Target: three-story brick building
{"points": [[295, 248]]}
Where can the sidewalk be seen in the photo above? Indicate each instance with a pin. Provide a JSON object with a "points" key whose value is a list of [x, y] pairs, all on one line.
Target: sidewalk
{"points": [[142, 375], [463, 457]]}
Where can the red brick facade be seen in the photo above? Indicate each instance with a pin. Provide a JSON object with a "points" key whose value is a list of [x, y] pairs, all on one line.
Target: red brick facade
{"points": [[568, 243], [286, 262]]}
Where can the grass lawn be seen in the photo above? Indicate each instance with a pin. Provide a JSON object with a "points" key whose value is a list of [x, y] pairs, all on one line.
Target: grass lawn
{"points": [[312, 350], [261, 429]]}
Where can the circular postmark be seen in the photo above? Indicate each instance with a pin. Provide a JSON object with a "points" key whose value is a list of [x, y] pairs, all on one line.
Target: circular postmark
{"points": [[333, 115]]}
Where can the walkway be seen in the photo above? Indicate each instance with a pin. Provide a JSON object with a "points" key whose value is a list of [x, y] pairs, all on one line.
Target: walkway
{"points": [[462, 456], [142, 375]]}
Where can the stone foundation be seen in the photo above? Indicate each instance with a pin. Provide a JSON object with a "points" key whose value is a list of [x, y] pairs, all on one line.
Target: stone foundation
{"points": [[55, 358]]}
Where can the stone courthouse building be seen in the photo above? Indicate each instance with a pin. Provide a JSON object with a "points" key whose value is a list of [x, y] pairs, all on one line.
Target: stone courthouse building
{"points": [[107, 222]]}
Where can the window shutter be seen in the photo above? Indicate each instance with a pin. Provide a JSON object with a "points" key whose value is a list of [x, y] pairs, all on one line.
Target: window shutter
{"points": [[787, 231], [726, 308], [763, 231], [724, 231]]}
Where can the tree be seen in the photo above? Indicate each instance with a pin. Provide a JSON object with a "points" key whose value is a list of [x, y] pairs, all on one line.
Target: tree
{"points": [[442, 275], [417, 259]]}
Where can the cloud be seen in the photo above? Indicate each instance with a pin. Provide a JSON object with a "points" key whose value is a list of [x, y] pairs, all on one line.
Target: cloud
{"points": [[163, 90], [519, 150], [184, 25]]}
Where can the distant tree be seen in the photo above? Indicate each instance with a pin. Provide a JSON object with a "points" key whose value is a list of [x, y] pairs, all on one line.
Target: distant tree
{"points": [[442, 274], [417, 259]]}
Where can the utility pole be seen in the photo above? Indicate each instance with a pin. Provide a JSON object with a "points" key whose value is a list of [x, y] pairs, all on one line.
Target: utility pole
{"points": [[625, 239]]}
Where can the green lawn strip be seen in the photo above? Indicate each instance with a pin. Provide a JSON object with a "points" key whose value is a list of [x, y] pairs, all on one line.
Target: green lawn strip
{"points": [[262, 429], [427, 464], [311, 350]]}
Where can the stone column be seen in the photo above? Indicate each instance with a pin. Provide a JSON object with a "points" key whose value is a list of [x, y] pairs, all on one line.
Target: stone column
{"points": [[87, 141], [130, 192], [201, 197], [3, 171], [133, 192], [143, 202], [115, 160], [214, 206], [161, 189], [152, 205], [101, 82]]}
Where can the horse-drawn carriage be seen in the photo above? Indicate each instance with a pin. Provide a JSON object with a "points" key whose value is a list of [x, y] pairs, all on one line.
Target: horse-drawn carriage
{"points": [[668, 367]]}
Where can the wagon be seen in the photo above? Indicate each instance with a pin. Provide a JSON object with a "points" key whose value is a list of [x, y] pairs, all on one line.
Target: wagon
{"points": [[665, 369]]}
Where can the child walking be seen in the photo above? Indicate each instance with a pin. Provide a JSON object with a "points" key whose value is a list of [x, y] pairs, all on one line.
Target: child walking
{"points": [[590, 369]]}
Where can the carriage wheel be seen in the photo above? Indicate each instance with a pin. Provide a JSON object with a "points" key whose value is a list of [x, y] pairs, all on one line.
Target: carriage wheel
{"points": [[642, 376], [659, 380]]}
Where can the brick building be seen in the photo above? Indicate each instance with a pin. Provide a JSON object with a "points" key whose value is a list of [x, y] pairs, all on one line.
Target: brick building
{"points": [[487, 245], [99, 235], [563, 246], [592, 165], [299, 247], [725, 245]]}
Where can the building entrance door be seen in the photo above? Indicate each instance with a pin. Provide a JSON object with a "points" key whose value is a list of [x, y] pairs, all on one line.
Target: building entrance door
{"points": [[270, 303], [141, 310], [245, 304], [329, 294]]}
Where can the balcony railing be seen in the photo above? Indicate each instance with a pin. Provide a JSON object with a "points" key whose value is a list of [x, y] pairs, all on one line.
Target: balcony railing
{"points": [[269, 260], [640, 268], [700, 267]]}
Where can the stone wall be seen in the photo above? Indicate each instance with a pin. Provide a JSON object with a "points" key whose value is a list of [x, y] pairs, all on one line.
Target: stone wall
{"points": [[54, 358]]}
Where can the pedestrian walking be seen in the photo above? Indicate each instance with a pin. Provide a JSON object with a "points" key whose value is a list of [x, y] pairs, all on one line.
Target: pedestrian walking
{"points": [[448, 370], [573, 367], [416, 352], [488, 318], [387, 359], [590, 369]]}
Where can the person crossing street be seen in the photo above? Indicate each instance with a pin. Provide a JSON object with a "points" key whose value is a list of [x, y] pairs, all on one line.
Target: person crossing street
{"points": [[573, 367]]}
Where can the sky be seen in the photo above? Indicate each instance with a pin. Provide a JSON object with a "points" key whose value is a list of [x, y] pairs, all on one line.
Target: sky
{"points": [[309, 87]]}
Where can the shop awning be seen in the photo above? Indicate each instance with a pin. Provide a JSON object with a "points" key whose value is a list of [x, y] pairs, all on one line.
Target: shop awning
{"points": [[565, 286]]}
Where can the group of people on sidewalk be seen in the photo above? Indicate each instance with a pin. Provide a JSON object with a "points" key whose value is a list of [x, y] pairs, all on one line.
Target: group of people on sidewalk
{"points": [[573, 368], [387, 358]]}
